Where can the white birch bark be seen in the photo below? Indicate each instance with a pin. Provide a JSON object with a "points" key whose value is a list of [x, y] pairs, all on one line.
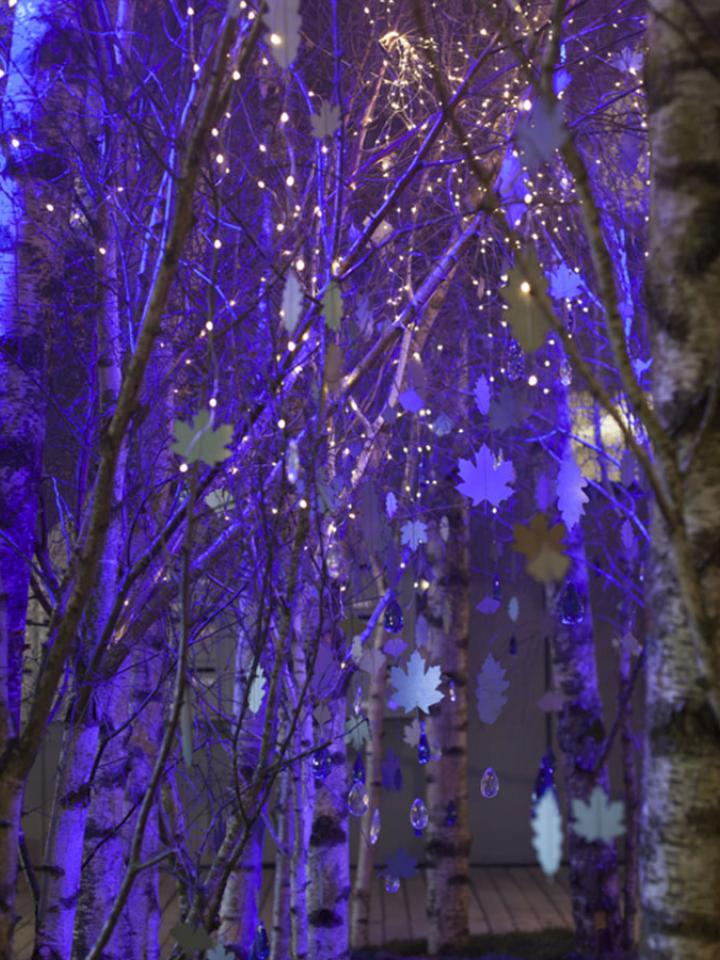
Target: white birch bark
{"points": [[680, 818], [329, 860], [33, 175], [362, 890], [281, 924], [448, 847]]}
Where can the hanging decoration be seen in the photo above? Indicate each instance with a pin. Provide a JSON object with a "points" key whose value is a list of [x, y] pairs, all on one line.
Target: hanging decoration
{"points": [[570, 605], [393, 620], [489, 784], [419, 817], [490, 690]]}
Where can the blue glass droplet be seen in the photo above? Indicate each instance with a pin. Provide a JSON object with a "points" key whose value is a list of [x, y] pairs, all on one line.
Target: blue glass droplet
{"points": [[451, 814], [545, 779], [419, 816], [392, 883], [393, 620], [572, 610], [374, 827], [358, 799], [261, 945], [513, 647], [489, 784], [321, 763], [359, 769], [423, 745], [497, 588]]}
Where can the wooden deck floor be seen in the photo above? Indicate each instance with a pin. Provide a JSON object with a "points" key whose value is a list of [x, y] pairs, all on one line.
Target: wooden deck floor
{"points": [[504, 899]]}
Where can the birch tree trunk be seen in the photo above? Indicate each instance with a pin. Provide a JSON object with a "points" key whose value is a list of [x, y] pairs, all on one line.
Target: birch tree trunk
{"points": [[35, 174], [281, 925], [239, 914], [303, 799], [594, 880], [329, 861], [680, 816], [448, 848], [362, 891], [141, 920]]}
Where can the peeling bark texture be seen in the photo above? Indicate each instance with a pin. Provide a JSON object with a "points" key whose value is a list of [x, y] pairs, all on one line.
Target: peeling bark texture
{"points": [[280, 939], [11, 801], [680, 817], [303, 799], [239, 907], [594, 879], [448, 847], [632, 804], [30, 273], [329, 862], [362, 890], [140, 928]]}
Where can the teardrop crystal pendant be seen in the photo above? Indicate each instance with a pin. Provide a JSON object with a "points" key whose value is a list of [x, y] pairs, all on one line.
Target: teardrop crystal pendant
{"points": [[497, 588], [321, 763], [261, 945], [452, 692], [393, 620], [423, 746], [374, 827], [392, 883], [489, 784], [572, 610], [359, 769], [357, 703], [419, 816], [357, 799], [451, 814], [513, 645], [545, 779]]}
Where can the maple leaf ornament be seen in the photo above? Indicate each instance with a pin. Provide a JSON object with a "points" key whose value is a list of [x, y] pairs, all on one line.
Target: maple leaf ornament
{"points": [[416, 686], [525, 287], [542, 545], [485, 481]]}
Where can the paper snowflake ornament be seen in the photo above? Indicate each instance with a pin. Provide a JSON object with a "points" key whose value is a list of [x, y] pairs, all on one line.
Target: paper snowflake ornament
{"points": [[357, 732], [410, 401], [220, 952], [488, 606], [482, 394], [485, 481], [401, 864], [442, 425], [332, 305], [523, 296], [283, 20], [599, 818], [327, 121], [542, 545], [197, 440], [547, 837], [413, 533], [256, 694], [571, 490], [392, 778], [416, 687], [540, 133], [395, 646], [411, 733], [291, 301], [565, 284], [490, 690], [372, 661], [551, 701]]}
